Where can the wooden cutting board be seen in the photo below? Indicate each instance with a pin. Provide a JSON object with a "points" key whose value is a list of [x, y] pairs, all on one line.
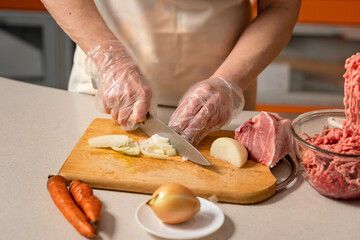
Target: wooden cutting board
{"points": [[108, 169]]}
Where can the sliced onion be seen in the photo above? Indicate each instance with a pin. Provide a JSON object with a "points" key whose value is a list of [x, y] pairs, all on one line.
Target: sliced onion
{"points": [[134, 149], [157, 147], [120, 149], [184, 159], [109, 141], [159, 139], [171, 152]]}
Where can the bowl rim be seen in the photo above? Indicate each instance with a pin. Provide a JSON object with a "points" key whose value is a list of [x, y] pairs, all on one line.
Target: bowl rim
{"points": [[311, 113]]}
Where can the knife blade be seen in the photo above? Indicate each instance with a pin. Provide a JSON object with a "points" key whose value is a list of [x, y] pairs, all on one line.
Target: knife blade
{"points": [[153, 125]]}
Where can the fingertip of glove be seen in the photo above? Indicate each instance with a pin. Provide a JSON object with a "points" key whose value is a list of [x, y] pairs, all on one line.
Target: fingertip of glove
{"points": [[129, 127]]}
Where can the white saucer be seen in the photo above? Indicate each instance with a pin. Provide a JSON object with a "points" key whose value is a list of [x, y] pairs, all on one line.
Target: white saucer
{"points": [[209, 219]]}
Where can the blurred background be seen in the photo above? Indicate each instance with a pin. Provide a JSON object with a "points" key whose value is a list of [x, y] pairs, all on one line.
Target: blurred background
{"points": [[307, 75]]}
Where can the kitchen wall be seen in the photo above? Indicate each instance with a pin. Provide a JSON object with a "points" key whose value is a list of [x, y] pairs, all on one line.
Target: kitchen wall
{"points": [[33, 48], [309, 71], [308, 74]]}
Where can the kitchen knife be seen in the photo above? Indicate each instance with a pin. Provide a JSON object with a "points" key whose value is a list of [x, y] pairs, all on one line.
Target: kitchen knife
{"points": [[152, 126]]}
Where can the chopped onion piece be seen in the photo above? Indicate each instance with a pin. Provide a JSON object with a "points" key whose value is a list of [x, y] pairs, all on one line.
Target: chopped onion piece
{"points": [[335, 122], [134, 149], [121, 149], [157, 147], [159, 151], [109, 141], [171, 152], [159, 139]]}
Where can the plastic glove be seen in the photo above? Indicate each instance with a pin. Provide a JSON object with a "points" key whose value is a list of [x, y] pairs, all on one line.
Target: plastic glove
{"points": [[122, 89], [206, 107]]}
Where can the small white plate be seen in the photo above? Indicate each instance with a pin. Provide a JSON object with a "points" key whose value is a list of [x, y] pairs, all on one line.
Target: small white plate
{"points": [[209, 219]]}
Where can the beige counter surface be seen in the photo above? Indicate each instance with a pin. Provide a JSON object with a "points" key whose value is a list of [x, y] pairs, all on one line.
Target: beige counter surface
{"points": [[39, 128]]}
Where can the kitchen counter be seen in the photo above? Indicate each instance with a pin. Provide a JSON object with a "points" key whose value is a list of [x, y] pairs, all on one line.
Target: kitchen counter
{"points": [[39, 128]]}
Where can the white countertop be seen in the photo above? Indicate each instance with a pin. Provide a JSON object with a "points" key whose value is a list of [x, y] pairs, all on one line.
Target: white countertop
{"points": [[39, 128]]}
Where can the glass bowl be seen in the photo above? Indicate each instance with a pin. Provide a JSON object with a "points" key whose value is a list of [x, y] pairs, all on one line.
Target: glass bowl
{"points": [[331, 174]]}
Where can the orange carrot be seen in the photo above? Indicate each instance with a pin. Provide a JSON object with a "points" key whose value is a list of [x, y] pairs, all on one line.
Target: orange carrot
{"points": [[83, 196], [60, 194]]}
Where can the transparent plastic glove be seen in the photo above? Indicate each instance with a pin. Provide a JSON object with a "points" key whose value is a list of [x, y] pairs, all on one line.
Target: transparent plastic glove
{"points": [[122, 89], [206, 107]]}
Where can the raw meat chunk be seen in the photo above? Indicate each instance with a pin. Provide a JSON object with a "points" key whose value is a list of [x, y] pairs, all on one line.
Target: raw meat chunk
{"points": [[266, 137]]}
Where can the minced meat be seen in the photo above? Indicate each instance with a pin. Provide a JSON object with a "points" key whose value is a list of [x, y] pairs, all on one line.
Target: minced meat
{"points": [[339, 176]]}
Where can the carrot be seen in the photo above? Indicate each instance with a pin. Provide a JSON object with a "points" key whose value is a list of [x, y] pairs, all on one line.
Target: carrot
{"points": [[83, 196], [57, 188]]}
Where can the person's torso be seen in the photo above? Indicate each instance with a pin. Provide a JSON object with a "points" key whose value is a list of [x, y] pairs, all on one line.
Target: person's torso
{"points": [[176, 43]]}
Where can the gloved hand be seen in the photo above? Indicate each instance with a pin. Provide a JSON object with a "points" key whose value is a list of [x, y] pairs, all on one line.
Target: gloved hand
{"points": [[122, 89], [206, 107]]}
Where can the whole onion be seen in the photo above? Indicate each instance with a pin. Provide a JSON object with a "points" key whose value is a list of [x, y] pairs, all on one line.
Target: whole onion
{"points": [[174, 203]]}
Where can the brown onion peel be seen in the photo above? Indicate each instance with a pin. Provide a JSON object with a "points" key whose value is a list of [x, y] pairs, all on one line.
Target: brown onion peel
{"points": [[174, 203]]}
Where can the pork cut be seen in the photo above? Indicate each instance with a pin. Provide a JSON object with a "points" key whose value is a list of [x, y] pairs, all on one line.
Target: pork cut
{"points": [[266, 137]]}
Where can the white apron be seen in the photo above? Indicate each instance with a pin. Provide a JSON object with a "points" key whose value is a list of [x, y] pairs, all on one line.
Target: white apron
{"points": [[175, 43]]}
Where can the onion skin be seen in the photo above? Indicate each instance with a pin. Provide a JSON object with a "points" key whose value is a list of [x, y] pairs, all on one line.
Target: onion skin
{"points": [[174, 203]]}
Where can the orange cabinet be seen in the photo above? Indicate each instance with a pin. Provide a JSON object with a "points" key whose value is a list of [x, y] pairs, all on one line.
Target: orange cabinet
{"points": [[346, 12], [22, 5]]}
